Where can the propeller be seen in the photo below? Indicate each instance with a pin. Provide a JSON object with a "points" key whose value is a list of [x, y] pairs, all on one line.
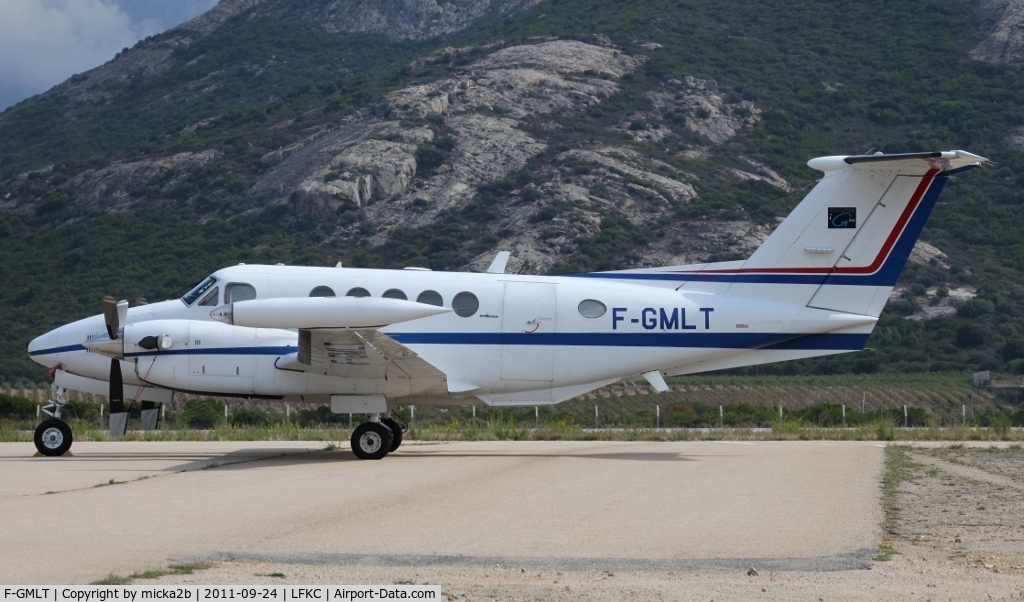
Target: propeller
{"points": [[115, 314]]}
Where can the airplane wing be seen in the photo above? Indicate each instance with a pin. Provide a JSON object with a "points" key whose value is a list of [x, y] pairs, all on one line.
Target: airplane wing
{"points": [[363, 353]]}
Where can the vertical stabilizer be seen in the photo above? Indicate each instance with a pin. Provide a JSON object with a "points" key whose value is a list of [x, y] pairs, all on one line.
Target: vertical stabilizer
{"points": [[845, 244]]}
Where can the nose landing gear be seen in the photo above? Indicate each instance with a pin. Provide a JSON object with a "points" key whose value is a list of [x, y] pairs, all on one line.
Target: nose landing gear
{"points": [[53, 435]]}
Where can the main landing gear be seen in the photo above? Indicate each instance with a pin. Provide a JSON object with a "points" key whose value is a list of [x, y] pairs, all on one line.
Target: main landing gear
{"points": [[53, 435], [376, 438]]}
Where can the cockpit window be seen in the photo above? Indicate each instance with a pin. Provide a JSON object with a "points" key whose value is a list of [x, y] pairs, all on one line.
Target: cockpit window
{"points": [[237, 291], [210, 299], [191, 296]]}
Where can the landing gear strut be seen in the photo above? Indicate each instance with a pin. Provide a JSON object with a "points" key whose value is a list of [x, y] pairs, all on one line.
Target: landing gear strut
{"points": [[371, 440], [396, 431], [53, 435]]}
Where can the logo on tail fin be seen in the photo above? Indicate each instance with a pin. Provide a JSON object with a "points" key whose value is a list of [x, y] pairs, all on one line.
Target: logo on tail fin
{"points": [[842, 217]]}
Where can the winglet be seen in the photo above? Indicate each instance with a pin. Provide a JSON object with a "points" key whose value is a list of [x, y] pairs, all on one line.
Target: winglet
{"points": [[498, 265]]}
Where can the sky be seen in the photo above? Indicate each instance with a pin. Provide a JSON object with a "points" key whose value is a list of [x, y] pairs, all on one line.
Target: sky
{"points": [[44, 42]]}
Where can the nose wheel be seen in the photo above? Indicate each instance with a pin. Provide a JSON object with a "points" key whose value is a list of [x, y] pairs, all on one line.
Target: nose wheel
{"points": [[53, 437], [371, 441]]}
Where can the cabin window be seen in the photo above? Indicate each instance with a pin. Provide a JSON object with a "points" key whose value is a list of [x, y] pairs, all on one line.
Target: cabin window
{"points": [[430, 298], [197, 291], [394, 293], [591, 308], [323, 291], [210, 299], [465, 304], [358, 292], [238, 292]]}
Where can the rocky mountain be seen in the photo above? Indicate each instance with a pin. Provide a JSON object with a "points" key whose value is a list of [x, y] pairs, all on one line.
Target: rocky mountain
{"points": [[580, 136], [1004, 42]]}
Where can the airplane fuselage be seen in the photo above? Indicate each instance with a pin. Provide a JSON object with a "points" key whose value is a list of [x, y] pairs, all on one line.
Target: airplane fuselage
{"points": [[511, 339]]}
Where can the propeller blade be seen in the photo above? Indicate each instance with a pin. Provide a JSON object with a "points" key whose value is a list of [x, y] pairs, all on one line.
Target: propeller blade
{"points": [[115, 315], [118, 412], [116, 387], [122, 313], [110, 316]]}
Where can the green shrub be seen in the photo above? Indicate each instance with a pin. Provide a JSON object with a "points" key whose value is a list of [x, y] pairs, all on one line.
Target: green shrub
{"points": [[202, 413], [17, 408], [250, 417], [319, 416]]}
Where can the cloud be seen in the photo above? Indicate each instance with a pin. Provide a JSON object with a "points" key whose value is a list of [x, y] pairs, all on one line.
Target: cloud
{"points": [[43, 42]]}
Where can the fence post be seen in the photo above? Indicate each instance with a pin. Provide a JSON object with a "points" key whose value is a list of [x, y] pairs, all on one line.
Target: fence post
{"points": [[657, 414], [350, 420], [474, 412], [780, 412], [595, 416], [963, 409], [38, 413], [863, 398], [721, 417], [536, 417], [163, 416], [101, 416], [905, 423], [225, 414], [844, 415], [972, 405], [412, 413], [288, 413]]}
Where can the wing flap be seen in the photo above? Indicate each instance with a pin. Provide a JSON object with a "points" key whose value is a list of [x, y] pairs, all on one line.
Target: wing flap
{"points": [[366, 353]]}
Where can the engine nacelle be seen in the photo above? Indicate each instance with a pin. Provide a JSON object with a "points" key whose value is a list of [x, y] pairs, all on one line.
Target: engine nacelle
{"points": [[205, 357]]}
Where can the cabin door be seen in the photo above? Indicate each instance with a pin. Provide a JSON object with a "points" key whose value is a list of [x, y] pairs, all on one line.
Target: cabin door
{"points": [[528, 329]]}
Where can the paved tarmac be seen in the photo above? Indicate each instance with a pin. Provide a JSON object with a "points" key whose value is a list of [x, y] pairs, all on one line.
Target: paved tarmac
{"points": [[803, 506]]}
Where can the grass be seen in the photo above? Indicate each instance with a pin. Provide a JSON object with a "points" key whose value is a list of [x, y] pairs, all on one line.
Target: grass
{"points": [[898, 468], [175, 569]]}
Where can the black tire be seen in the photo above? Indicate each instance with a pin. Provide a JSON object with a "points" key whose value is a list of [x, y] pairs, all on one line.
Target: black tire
{"points": [[396, 432], [371, 441], [53, 437]]}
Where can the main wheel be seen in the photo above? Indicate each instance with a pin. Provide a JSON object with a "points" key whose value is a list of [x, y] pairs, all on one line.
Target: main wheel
{"points": [[371, 441], [396, 432], [53, 437]]}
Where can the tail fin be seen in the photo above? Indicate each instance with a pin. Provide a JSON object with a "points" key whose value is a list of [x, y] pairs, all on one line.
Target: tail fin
{"points": [[845, 244]]}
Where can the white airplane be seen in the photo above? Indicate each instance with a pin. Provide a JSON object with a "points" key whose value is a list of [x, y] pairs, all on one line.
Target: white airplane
{"points": [[367, 340]]}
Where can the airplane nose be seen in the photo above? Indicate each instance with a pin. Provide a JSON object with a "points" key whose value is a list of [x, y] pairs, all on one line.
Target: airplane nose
{"points": [[42, 349]]}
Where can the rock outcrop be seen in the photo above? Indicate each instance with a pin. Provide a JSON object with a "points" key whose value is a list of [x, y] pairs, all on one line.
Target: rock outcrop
{"points": [[394, 19], [478, 111], [425, 152], [116, 187], [1005, 40]]}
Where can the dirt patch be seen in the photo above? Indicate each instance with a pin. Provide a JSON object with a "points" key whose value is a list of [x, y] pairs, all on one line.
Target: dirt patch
{"points": [[965, 504]]}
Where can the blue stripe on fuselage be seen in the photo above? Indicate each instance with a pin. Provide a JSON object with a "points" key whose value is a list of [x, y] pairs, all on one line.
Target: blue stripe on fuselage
{"points": [[52, 350], [709, 340]]}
